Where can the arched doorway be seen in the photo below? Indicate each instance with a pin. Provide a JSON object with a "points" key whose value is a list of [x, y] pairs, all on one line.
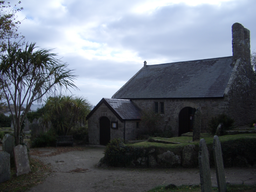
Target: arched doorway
{"points": [[104, 131], [186, 118]]}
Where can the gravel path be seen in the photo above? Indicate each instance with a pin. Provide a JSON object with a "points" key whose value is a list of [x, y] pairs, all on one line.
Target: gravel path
{"points": [[76, 171]]}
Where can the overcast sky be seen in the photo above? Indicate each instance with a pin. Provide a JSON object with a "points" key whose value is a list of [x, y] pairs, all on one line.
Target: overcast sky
{"points": [[107, 41]]}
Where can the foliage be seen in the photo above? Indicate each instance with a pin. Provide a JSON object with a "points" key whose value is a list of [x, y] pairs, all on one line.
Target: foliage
{"points": [[66, 113], [5, 121], [38, 173], [2, 134], [27, 74], [225, 121], [46, 139], [80, 135], [8, 23], [35, 114]]}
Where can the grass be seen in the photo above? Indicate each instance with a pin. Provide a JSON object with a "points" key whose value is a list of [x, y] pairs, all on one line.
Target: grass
{"points": [[185, 140], [38, 173], [196, 188]]}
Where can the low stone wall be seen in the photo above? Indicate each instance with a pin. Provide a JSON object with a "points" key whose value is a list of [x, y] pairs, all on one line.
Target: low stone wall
{"points": [[239, 153]]}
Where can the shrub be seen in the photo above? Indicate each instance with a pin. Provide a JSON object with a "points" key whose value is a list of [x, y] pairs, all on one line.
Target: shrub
{"points": [[115, 153], [5, 121], [80, 135], [1, 134], [46, 139], [227, 124]]}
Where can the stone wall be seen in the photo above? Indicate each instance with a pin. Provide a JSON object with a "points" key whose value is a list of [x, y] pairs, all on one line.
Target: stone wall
{"points": [[241, 90], [124, 127], [172, 107]]}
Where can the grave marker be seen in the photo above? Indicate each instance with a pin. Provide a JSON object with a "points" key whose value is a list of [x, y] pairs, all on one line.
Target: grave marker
{"points": [[21, 160], [220, 172], [5, 167], [8, 144], [204, 166]]}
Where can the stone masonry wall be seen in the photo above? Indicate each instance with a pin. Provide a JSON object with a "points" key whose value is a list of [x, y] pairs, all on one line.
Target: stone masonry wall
{"points": [[241, 90], [172, 107], [94, 126]]}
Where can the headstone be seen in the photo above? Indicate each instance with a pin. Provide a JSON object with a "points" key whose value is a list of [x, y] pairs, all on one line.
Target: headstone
{"points": [[5, 167], [197, 126], [204, 166], [21, 160], [218, 130], [220, 172], [8, 144]]}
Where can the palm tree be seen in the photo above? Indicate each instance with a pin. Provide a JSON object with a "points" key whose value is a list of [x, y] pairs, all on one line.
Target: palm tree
{"points": [[26, 75], [66, 113]]}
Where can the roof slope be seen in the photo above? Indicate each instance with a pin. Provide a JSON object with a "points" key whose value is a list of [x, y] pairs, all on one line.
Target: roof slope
{"points": [[124, 109], [190, 79]]}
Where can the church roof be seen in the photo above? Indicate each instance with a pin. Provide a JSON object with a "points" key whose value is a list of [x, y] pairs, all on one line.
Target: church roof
{"points": [[207, 78]]}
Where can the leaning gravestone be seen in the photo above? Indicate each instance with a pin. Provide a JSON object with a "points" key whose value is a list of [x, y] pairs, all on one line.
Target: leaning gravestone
{"points": [[21, 160], [204, 166], [220, 172], [8, 144], [5, 167]]}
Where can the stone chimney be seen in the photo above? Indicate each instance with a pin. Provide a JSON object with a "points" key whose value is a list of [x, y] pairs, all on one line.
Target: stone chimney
{"points": [[241, 42], [145, 63]]}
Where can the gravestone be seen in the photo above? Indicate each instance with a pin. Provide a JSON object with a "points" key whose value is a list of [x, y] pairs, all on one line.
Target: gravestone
{"points": [[197, 126], [220, 172], [21, 160], [5, 167], [8, 144], [204, 166]]}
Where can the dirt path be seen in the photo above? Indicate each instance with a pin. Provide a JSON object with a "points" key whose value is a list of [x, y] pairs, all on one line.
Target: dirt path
{"points": [[75, 171]]}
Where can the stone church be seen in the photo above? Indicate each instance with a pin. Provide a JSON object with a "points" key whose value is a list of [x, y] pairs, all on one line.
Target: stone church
{"points": [[181, 93]]}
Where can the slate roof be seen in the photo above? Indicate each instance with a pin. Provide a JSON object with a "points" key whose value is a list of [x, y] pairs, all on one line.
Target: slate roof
{"points": [[124, 109], [206, 78]]}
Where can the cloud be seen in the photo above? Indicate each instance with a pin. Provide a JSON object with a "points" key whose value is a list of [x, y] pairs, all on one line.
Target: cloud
{"points": [[106, 42]]}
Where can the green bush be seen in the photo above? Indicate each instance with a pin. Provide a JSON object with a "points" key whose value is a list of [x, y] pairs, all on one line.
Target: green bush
{"points": [[227, 124], [2, 134], [240, 148], [115, 153], [47, 139], [5, 121], [80, 135]]}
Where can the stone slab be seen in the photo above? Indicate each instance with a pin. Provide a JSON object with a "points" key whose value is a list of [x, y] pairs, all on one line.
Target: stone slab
{"points": [[8, 144], [5, 167], [21, 160], [219, 166], [204, 166]]}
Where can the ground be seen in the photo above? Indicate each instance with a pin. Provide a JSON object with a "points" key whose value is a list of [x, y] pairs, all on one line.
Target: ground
{"points": [[74, 169]]}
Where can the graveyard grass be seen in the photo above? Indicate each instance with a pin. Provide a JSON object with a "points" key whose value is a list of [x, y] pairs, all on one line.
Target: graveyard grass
{"points": [[185, 140], [196, 188], [38, 173]]}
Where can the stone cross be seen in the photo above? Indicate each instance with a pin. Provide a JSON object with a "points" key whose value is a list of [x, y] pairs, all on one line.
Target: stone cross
{"points": [[5, 167], [220, 172], [21, 160], [204, 166], [8, 144]]}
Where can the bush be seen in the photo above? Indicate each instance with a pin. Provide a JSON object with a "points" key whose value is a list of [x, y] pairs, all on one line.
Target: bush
{"points": [[227, 124], [5, 121], [115, 153], [80, 135], [47, 139], [2, 134]]}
